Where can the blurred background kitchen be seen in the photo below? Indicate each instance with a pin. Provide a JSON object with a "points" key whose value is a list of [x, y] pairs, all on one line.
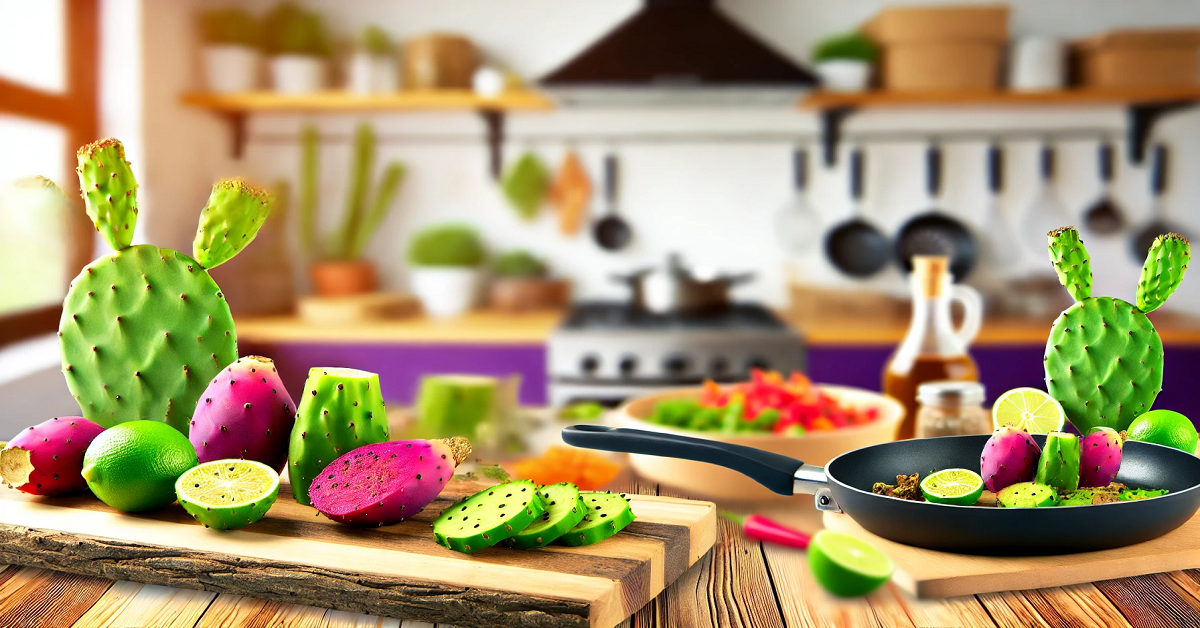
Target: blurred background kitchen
{"points": [[594, 200]]}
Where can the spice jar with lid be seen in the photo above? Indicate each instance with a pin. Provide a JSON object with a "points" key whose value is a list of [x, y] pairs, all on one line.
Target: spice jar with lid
{"points": [[951, 408]]}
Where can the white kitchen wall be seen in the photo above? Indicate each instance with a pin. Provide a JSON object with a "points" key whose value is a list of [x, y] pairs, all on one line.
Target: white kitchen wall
{"points": [[715, 201]]}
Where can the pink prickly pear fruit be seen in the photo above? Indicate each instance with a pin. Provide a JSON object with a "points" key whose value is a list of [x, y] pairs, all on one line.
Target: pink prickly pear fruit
{"points": [[386, 483], [1099, 457], [244, 413], [1010, 456], [47, 459]]}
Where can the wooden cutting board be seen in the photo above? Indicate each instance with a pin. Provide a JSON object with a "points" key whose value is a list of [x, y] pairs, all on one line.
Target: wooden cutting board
{"points": [[928, 573], [295, 555]]}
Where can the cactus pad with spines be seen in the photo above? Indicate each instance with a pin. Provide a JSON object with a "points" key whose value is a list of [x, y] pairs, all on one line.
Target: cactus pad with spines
{"points": [[1071, 262], [109, 190], [1166, 262], [229, 221]]}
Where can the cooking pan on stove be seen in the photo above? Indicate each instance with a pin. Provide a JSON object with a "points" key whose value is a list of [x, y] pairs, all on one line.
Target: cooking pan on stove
{"points": [[844, 485]]}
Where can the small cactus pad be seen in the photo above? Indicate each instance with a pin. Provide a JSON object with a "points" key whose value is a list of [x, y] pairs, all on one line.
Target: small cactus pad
{"points": [[229, 221], [1166, 262], [489, 516], [1027, 495], [1059, 464], [109, 190], [143, 332], [339, 410], [564, 510], [1071, 262], [607, 515], [1104, 363]]}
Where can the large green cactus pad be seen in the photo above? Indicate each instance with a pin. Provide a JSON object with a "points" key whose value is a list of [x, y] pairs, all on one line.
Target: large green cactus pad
{"points": [[1104, 363], [340, 409], [109, 190], [1166, 262], [142, 333], [229, 221], [1071, 262]]}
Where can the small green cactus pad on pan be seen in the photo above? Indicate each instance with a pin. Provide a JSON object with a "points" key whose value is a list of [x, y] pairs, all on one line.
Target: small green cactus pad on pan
{"points": [[229, 221], [1059, 463], [607, 515], [109, 190], [1166, 262], [1027, 495], [1133, 494], [143, 332], [489, 516], [564, 510], [1071, 262]]}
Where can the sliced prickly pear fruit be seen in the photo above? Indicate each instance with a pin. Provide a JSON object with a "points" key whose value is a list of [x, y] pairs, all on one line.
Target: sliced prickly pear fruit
{"points": [[489, 516], [564, 510], [386, 483], [1099, 457], [607, 515], [244, 413], [1070, 262], [109, 190], [1027, 495], [1165, 265], [228, 494], [229, 221], [47, 459], [1010, 456], [1059, 464]]}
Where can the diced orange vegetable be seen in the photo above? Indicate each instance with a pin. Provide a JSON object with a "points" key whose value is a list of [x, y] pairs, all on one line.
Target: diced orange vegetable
{"points": [[582, 468]]}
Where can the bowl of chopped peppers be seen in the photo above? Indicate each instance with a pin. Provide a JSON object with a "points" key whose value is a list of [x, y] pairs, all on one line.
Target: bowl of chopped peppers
{"points": [[788, 415]]}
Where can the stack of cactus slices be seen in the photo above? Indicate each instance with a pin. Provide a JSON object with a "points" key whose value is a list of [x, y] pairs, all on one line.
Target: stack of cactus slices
{"points": [[1104, 360], [145, 329]]}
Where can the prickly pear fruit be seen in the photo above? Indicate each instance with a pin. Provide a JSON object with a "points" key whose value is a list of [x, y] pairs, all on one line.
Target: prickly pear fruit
{"points": [[607, 515], [229, 221], [386, 483], [489, 516], [47, 459], [1010, 456], [244, 413], [1166, 262], [1059, 464], [109, 190], [340, 410], [1099, 457]]}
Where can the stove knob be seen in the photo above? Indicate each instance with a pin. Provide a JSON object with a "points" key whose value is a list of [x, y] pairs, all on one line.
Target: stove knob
{"points": [[589, 364], [676, 364], [718, 367], [757, 362], [627, 365]]}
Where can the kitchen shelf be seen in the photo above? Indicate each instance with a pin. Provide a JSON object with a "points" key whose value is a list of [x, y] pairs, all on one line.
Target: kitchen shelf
{"points": [[235, 108], [1144, 105]]}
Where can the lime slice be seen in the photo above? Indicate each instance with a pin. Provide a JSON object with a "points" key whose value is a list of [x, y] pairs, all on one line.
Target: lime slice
{"points": [[846, 565], [228, 494], [1028, 409], [962, 487]]}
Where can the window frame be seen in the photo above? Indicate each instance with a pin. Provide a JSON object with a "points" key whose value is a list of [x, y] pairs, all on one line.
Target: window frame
{"points": [[76, 110]]}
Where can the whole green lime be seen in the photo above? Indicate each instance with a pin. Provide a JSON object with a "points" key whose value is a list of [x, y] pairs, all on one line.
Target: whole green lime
{"points": [[847, 566], [1165, 427], [133, 466]]}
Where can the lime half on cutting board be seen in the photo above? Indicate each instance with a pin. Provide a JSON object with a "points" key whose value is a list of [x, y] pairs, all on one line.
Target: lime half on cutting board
{"points": [[1029, 409], [228, 494], [847, 566]]}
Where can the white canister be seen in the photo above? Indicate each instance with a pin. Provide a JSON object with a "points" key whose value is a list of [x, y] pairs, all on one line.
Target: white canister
{"points": [[1037, 64], [445, 290], [371, 74], [230, 68], [297, 74]]}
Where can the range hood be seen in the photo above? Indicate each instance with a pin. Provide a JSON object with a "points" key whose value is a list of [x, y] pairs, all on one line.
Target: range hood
{"points": [[679, 51]]}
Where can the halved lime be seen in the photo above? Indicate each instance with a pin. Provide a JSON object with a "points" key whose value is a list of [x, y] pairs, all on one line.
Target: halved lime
{"points": [[1029, 409], [961, 487], [228, 494], [846, 565]]}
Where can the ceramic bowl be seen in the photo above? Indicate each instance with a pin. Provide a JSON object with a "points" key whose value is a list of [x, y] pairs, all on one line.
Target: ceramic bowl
{"points": [[706, 480]]}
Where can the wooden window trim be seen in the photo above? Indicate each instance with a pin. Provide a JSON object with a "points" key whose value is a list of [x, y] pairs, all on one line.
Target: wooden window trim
{"points": [[77, 109]]}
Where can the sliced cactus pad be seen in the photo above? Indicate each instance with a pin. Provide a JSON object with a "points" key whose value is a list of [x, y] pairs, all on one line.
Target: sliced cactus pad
{"points": [[564, 510], [607, 515], [489, 516]]}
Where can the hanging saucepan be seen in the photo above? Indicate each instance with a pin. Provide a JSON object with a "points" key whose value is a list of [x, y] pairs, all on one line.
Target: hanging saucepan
{"points": [[1159, 224], [844, 485], [857, 247], [678, 289], [934, 232]]}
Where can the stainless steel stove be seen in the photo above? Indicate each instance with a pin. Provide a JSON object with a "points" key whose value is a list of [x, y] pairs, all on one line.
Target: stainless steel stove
{"points": [[609, 351]]}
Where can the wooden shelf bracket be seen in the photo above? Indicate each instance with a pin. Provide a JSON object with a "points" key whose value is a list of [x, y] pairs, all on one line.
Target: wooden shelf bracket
{"points": [[1142, 118], [831, 131], [493, 121]]}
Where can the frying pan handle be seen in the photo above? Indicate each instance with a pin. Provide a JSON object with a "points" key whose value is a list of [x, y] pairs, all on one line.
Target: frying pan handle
{"points": [[856, 174], [995, 168], [933, 170], [781, 474], [1158, 170], [1046, 162], [800, 169], [610, 178], [1105, 157]]}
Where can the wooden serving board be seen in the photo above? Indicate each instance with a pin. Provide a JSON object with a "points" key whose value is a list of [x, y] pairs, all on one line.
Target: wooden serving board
{"points": [[295, 555], [929, 573]]}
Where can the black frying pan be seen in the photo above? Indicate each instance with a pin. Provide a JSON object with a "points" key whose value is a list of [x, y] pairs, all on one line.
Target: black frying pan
{"points": [[856, 247], [845, 485], [935, 232]]}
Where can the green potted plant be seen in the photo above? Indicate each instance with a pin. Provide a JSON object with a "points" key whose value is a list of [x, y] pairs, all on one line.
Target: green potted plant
{"points": [[372, 65], [445, 261], [230, 51], [844, 61], [521, 282], [299, 47], [337, 266]]}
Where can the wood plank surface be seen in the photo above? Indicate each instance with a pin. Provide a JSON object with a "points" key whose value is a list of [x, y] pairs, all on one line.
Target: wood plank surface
{"points": [[51, 599], [344, 101], [1000, 98], [248, 612]]}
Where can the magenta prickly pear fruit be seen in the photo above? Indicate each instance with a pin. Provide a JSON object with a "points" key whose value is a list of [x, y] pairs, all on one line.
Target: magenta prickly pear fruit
{"points": [[1099, 457], [47, 459], [1010, 456], [244, 413], [386, 483]]}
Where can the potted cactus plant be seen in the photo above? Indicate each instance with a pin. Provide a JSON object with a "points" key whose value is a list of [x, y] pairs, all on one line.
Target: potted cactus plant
{"points": [[372, 66], [230, 53], [299, 47], [337, 266], [445, 261], [521, 282], [844, 61]]}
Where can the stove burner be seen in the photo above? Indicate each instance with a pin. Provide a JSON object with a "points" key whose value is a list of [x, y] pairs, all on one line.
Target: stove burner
{"points": [[620, 315]]}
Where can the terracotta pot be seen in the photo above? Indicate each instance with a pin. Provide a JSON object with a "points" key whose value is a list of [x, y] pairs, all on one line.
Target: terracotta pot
{"points": [[338, 278], [523, 294]]}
